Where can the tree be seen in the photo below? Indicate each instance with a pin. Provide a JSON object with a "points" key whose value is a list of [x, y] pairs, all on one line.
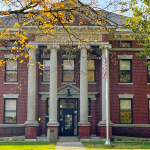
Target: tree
{"points": [[139, 23]]}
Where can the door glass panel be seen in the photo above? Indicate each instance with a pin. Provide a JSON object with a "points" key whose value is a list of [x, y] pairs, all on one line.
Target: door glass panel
{"points": [[68, 121], [61, 122], [75, 122], [67, 103]]}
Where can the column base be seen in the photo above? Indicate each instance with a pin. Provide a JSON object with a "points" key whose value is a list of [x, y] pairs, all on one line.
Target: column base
{"points": [[52, 133], [102, 132], [84, 130], [31, 129]]}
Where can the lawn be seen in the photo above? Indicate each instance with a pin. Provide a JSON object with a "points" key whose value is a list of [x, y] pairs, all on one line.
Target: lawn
{"points": [[117, 145], [27, 146]]}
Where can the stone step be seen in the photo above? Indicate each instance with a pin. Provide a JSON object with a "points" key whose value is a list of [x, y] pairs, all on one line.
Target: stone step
{"points": [[41, 139], [68, 139]]}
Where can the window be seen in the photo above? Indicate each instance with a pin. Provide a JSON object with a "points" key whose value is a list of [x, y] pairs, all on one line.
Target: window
{"points": [[125, 44], [126, 111], [148, 71], [125, 71], [47, 111], [89, 107], [11, 74], [46, 70], [91, 70], [11, 43], [68, 71], [10, 114]]}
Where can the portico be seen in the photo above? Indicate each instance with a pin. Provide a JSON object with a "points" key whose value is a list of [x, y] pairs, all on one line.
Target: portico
{"points": [[83, 124]]}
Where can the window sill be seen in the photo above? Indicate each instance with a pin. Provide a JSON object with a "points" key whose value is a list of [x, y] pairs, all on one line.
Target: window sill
{"points": [[148, 83], [92, 83], [68, 83], [45, 82], [10, 82], [90, 116], [126, 83]]}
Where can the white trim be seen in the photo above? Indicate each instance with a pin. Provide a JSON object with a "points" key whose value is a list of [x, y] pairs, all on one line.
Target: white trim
{"points": [[131, 125], [126, 83], [148, 57], [45, 56], [68, 83], [125, 95], [10, 95], [11, 125], [127, 49], [45, 82], [30, 140], [148, 83], [148, 95], [10, 82], [125, 56], [92, 83], [90, 116], [11, 56], [93, 99]]}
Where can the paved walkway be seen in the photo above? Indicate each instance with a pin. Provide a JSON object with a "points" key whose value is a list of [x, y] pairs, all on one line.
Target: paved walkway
{"points": [[70, 146]]}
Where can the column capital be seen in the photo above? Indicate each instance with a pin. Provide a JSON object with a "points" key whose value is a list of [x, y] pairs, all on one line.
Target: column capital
{"points": [[53, 46], [84, 45], [105, 46]]}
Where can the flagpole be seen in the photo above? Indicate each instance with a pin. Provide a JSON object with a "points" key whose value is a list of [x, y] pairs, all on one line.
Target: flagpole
{"points": [[107, 96]]}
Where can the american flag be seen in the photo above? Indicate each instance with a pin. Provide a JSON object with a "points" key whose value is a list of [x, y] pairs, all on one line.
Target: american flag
{"points": [[104, 68]]}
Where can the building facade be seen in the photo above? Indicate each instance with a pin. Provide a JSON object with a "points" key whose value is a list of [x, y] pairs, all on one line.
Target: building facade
{"points": [[68, 93]]}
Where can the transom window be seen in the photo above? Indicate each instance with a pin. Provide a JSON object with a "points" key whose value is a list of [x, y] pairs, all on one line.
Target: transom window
{"points": [[91, 70], [125, 44], [10, 114], [46, 70], [68, 71], [126, 111], [125, 71], [11, 73]]}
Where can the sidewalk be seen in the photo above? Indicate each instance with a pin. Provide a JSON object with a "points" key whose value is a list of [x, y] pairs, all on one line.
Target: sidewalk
{"points": [[69, 146]]}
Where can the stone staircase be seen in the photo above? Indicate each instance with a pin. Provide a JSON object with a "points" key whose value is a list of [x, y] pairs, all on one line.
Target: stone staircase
{"points": [[68, 138], [42, 138]]}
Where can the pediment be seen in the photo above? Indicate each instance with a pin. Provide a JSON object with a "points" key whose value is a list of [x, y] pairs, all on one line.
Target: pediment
{"points": [[64, 89]]}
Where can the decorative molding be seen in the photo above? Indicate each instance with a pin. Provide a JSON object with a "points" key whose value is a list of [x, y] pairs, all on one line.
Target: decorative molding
{"points": [[125, 56], [84, 45], [45, 82], [53, 46], [105, 46], [131, 125], [10, 95], [125, 95], [11, 56], [127, 49]]}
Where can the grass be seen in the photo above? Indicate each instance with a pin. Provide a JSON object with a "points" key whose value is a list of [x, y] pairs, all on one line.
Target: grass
{"points": [[117, 145], [27, 146]]}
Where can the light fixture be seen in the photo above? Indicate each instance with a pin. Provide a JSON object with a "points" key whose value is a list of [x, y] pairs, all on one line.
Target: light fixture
{"points": [[68, 94]]}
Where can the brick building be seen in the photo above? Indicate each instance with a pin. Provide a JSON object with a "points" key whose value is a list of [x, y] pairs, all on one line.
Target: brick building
{"points": [[69, 94]]}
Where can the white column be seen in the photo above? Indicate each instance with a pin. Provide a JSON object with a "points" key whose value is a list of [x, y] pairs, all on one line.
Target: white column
{"points": [[53, 86], [103, 121], [31, 88], [83, 87]]}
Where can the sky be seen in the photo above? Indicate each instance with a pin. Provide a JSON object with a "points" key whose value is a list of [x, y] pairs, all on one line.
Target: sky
{"points": [[103, 4]]}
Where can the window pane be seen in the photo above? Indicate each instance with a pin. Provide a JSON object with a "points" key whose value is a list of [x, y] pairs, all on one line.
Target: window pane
{"points": [[124, 65], [125, 117], [68, 103], [10, 105], [91, 65], [68, 64], [125, 44], [125, 104], [46, 64], [11, 65], [46, 75], [125, 76], [11, 76], [10, 117], [91, 76], [68, 75]]}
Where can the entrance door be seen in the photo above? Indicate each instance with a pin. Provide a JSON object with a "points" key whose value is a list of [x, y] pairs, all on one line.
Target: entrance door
{"points": [[68, 122]]}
